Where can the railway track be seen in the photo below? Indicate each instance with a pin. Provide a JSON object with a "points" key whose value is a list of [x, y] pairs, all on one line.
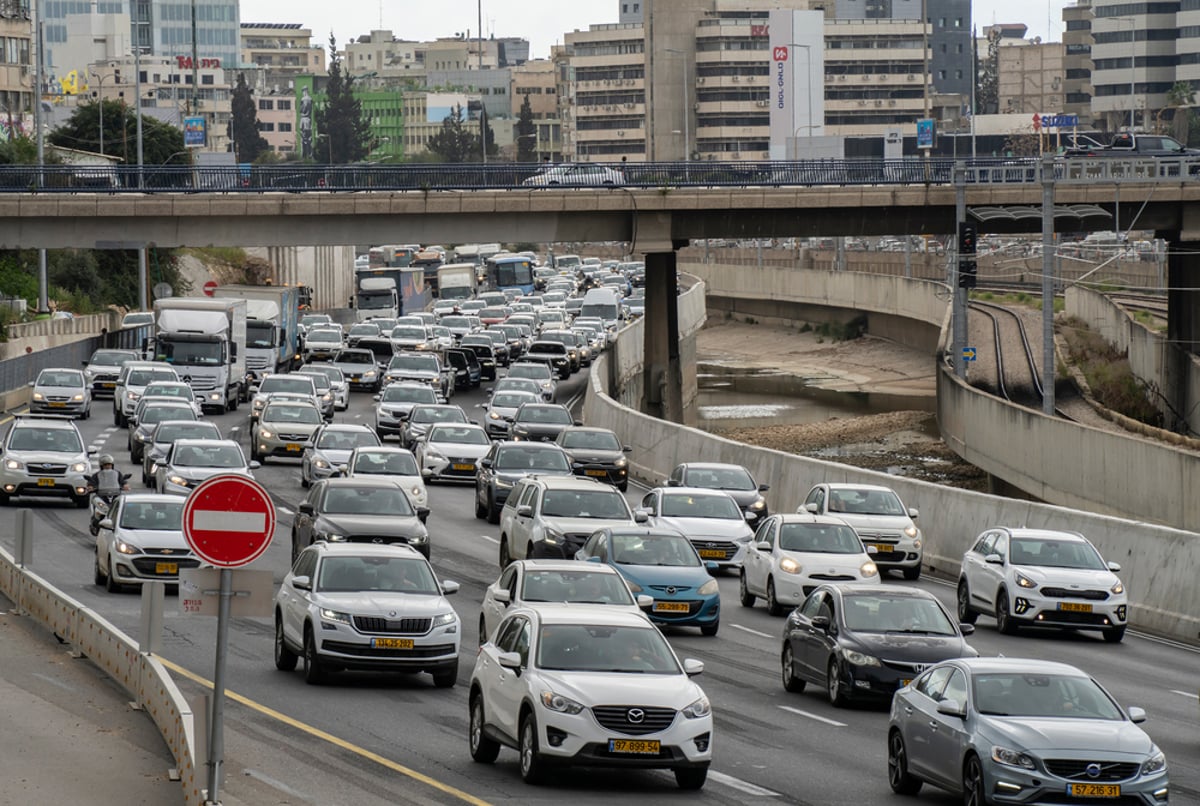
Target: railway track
{"points": [[1021, 384]]}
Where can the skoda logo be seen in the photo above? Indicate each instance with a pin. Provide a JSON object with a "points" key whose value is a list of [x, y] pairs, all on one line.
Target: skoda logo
{"points": [[671, 590], [636, 716], [1092, 770]]}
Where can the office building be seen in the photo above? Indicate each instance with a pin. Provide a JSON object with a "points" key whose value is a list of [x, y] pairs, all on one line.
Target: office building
{"points": [[1134, 59], [1031, 77], [1077, 61]]}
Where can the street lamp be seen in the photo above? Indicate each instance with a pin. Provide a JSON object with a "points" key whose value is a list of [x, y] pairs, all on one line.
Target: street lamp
{"points": [[687, 139], [116, 77], [807, 94]]}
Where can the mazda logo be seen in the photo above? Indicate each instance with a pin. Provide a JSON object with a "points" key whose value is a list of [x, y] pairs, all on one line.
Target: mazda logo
{"points": [[636, 716], [671, 590], [1092, 770]]}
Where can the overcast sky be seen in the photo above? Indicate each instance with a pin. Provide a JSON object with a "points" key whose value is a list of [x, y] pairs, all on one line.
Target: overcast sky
{"points": [[542, 22]]}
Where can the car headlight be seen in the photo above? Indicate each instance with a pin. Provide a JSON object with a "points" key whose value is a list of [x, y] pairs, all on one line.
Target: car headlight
{"points": [[561, 704], [433, 453], [38, 396], [621, 462], [1024, 581], [860, 658], [553, 538], [910, 531], [13, 464], [132, 395], [445, 619], [418, 492], [868, 570], [257, 404], [79, 467], [1118, 588], [1012, 758], [178, 481], [331, 537], [418, 539], [327, 397], [77, 398], [369, 373], [321, 463], [126, 548], [790, 566], [494, 415], [333, 615], [265, 433], [759, 504], [1156, 763], [700, 708], [708, 588]]}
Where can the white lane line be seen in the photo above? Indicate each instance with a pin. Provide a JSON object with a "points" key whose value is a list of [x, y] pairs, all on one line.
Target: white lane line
{"points": [[1191, 694], [490, 539], [818, 718], [752, 632], [284, 509], [740, 785]]}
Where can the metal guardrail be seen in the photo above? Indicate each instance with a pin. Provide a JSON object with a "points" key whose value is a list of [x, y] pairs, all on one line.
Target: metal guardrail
{"points": [[19, 370], [651, 175]]}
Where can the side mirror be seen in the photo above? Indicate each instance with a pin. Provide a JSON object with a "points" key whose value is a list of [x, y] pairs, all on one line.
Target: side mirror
{"points": [[994, 559], [872, 550], [811, 507], [93, 451], [376, 397], [510, 660], [711, 567], [913, 513], [640, 516], [592, 560], [485, 462], [254, 464], [1114, 567], [672, 483], [524, 511], [762, 488], [426, 473], [626, 449], [422, 514], [502, 596], [693, 667], [644, 601], [303, 583], [750, 516], [305, 508], [821, 623], [578, 422], [762, 545], [1136, 715], [966, 629], [952, 708], [106, 523], [30, 384], [449, 587]]}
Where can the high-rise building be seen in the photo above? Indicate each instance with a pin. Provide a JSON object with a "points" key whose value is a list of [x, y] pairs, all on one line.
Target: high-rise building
{"points": [[1031, 77], [16, 66], [1077, 60], [1134, 59]]}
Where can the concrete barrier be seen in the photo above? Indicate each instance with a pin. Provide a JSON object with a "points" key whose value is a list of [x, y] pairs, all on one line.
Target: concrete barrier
{"points": [[46, 333]]}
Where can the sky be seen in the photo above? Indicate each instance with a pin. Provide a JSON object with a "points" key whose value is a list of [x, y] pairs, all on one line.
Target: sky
{"points": [[542, 22]]}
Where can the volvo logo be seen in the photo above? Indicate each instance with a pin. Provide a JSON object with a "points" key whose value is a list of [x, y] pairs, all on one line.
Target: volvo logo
{"points": [[1092, 770], [671, 590], [636, 716]]}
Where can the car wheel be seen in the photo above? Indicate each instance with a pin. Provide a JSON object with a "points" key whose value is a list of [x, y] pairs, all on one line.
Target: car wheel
{"points": [[482, 630], [483, 749], [965, 614], [505, 557], [912, 573], [314, 675], [446, 678], [973, 792], [791, 683], [532, 768], [710, 630], [285, 659], [744, 595], [833, 686], [493, 511], [1005, 623], [901, 781], [98, 576], [1114, 635], [773, 605], [481, 511], [691, 778], [110, 583], [81, 502]]}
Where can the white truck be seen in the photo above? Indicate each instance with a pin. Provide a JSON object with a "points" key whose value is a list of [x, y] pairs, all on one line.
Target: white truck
{"points": [[205, 341], [377, 298], [272, 326], [456, 281]]}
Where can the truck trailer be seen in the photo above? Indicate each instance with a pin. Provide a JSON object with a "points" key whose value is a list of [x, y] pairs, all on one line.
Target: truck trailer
{"points": [[272, 326]]}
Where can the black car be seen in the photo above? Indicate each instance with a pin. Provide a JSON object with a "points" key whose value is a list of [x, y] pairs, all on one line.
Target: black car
{"points": [[866, 641], [467, 370], [500, 345], [541, 422], [507, 462], [359, 510], [553, 353], [733, 479], [484, 351], [597, 453]]}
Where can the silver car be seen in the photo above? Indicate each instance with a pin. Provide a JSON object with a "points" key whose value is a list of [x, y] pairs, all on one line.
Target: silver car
{"points": [[1013, 730], [192, 461], [44, 457], [291, 383], [140, 540], [150, 412], [422, 418], [61, 391], [163, 435], [396, 402], [331, 447], [132, 382], [337, 383], [102, 369], [284, 429], [501, 408], [326, 399], [395, 463]]}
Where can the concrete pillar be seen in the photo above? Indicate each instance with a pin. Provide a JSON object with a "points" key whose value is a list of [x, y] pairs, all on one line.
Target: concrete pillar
{"points": [[662, 374], [1183, 321]]}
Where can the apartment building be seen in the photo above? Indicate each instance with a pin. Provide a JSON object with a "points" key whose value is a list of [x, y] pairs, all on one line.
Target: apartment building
{"points": [[1032, 77], [282, 50], [381, 53], [1077, 61], [16, 70], [1134, 58]]}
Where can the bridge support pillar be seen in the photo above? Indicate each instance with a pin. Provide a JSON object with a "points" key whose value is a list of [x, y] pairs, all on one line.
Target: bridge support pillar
{"points": [[1183, 323], [662, 373]]}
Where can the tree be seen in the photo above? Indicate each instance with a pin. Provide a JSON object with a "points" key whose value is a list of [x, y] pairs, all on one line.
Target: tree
{"points": [[987, 96], [20, 150], [1180, 99], [162, 143], [343, 134], [526, 134], [454, 143], [248, 143]]}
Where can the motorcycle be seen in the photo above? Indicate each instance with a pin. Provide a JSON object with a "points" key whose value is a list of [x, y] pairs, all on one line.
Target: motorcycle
{"points": [[100, 506]]}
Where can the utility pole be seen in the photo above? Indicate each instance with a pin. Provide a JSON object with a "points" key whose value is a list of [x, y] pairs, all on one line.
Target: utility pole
{"points": [[137, 91], [482, 103], [43, 305], [1048, 284]]}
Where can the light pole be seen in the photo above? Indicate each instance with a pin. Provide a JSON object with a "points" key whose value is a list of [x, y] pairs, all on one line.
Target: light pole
{"points": [[808, 93], [687, 137], [100, 97]]}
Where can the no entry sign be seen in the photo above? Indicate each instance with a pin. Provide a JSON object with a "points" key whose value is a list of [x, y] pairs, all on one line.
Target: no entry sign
{"points": [[228, 521]]}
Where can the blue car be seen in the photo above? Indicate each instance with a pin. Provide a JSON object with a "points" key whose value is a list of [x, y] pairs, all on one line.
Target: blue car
{"points": [[664, 565]]}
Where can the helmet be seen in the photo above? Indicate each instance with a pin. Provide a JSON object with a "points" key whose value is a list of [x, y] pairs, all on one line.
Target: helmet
{"points": [[106, 459]]}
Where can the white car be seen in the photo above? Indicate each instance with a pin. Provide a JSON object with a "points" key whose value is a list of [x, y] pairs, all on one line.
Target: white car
{"points": [[711, 519], [141, 539], [585, 174], [394, 463], [330, 449], [880, 519], [322, 344], [410, 337], [396, 402], [366, 606], [792, 554], [450, 451], [61, 391], [1038, 577], [582, 686], [292, 383]]}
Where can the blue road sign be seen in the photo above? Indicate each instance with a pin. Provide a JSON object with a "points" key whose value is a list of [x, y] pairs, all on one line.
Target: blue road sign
{"points": [[925, 132], [968, 354]]}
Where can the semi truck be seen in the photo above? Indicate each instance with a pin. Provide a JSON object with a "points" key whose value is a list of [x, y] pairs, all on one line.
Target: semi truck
{"points": [[376, 298], [456, 281], [205, 340], [272, 326], [406, 282]]}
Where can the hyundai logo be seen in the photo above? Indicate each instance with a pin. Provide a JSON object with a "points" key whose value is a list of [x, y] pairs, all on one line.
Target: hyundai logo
{"points": [[1092, 770], [636, 716]]}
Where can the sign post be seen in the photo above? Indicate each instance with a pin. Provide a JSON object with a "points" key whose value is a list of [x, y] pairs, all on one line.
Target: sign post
{"points": [[228, 521]]}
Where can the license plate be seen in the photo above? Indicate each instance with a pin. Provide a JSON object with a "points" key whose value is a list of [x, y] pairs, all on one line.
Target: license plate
{"points": [[670, 607], [904, 683], [712, 554], [595, 472], [1094, 790], [461, 466], [391, 643], [1075, 607], [641, 747], [166, 568], [291, 446], [45, 482], [884, 548], [108, 386], [58, 405]]}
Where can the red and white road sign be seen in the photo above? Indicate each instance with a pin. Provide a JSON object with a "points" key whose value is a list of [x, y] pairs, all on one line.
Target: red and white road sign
{"points": [[209, 288], [228, 521]]}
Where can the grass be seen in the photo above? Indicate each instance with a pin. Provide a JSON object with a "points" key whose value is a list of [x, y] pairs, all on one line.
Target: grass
{"points": [[1019, 298], [1108, 373], [230, 255]]}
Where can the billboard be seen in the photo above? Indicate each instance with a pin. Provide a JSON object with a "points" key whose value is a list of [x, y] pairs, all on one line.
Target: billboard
{"points": [[194, 132], [797, 80], [440, 105]]}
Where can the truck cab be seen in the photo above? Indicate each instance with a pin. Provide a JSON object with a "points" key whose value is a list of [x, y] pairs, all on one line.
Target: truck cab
{"points": [[376, 298]]}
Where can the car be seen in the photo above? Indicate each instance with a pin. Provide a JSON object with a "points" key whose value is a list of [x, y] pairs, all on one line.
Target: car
{"points": [[543, 391], [500, 345], [711, 519], [863, 642], [61, 391], [1016, 730], [191, 461], [330, 449], [410, 337], [554, 354], [44, 457], [150, 412], [553, 516], [326, 400], [501, 407], [792, 554], [359, 367], [567, 339], [290, 383], [733, 479], [664, 565], [596, 453], [338, 384], [285, 428], [880, 519], [359, 510], [1039, 577], [163, 434], [424, 367], [362, 330], [450, 451], [312, 320], [458, 324], [507, 462], [590, 687], [424, 417], [396, 402], [137, 319], [513, 337], [464, 364], [322, 344], [537, 371], [176, 390], [485, 353], [366, 606], [541, 422], [536, 582], [390, 462], [580, 174], [141, 539], [102, 369]]}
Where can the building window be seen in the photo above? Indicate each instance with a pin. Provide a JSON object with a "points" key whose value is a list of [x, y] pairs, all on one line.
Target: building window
{"points": [[284, 106], [208, 79], [262, 104], [285, 127], [941, 75], [958, 74]]}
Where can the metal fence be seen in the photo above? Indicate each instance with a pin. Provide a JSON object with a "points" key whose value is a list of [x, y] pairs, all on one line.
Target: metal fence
{"points": [[19, 370]]}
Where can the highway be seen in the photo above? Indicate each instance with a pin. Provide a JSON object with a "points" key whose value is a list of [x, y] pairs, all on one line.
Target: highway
{"points": [[369, 739]]}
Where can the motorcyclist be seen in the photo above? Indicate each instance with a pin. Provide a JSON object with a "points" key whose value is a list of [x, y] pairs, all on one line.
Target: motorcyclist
{"points": [[108, 482]]}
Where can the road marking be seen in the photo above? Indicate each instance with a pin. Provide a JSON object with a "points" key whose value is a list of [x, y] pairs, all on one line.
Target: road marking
{"points": [[490, 539], [1191, 694], [284, 509], [797, 711], [752, 632], [740, 785], [466, 797]]}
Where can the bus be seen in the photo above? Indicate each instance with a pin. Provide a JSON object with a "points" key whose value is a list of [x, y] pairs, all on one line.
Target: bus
{"points": [[509, 272]]}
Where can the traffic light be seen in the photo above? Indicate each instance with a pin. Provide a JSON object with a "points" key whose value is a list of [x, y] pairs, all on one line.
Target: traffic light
{"points": [[966, 238], [966, 255], [967, 276]]}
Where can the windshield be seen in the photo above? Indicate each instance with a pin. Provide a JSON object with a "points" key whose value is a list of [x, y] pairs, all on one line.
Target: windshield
{"points": [[52, 377], [376, 300], [414, 363], [166, 516], [1042, 696], [144, 377], [456, 322], [110, 358], [346, 440], [881, 612], [207, 456], [409, 333], [595, 440], [323, 337], [865, 502], [305, 415], [671, 550], [156, 414], [168, 390], [603, 504], [409, 394], [260, 334], [191, 353], [386, 464], [719, 478], [315, 319], [511, 400], [1051, 553], [492, 313], [398, 574], [281, 383], [366, 501], [582, 587], [461, 435], [531, 459], [166, 434], [319, 380], [364, 329], [550, 415], [701, 506], [821, 538], [438, 414], [355, 357], [596, 648], [54, 440]]}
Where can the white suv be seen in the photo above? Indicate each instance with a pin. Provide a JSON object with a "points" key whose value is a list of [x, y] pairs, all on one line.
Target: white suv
{"points": [[553, 516], [590, 687], [44, 456], [880, 519]]}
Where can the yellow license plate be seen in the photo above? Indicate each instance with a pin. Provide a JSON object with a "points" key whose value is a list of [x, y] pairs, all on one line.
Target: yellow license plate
{"points": [[461, 466], [391, 643], [45, 482], [291, 446], [1094, 790], [1075, 607], [641, 747], [58, 405], [595, 472], [108, 386], [166, 568], [712, 554], [884, 548], [904, 683], [671, 607]]}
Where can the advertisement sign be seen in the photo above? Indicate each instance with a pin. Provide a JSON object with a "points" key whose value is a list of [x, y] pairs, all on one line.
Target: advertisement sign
{"points": [[796, 81], [194, 132], [925, 133]]}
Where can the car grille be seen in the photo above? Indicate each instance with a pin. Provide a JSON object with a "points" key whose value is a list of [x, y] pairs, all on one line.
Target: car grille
{"points": [[257, 362], [377, 539], [404, 626], [293, 437], [202, 384], [728, 549], [365, 651], [833, 577], [1077, 769], [46, 469], [58, 398], [1071, 617], [625, 718], [148, 566], [878, 537], [910, 669], [673, 589], [1063, 593]]}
